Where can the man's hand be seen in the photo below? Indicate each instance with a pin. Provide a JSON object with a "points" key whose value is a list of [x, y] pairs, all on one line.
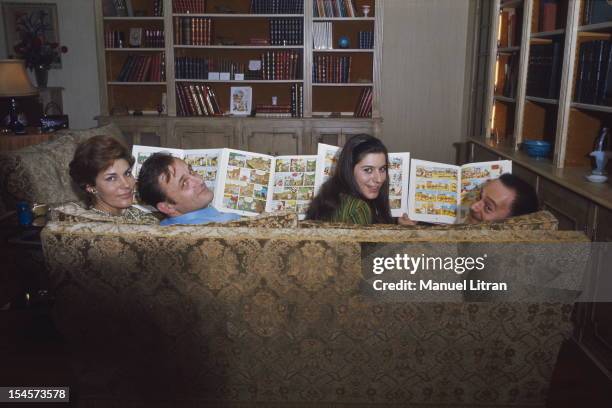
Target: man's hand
{"points": [[405, 220]]}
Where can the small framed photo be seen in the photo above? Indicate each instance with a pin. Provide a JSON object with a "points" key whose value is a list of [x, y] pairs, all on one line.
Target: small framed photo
{"points": [[135, 37], [241, 100]]}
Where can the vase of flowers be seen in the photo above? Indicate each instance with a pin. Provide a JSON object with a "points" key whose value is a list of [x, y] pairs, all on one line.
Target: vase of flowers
{"points": [[39, 53]]}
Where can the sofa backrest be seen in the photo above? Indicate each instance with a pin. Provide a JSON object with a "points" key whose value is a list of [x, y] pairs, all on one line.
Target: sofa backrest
{"points": [[39, 173], [238, 315]]}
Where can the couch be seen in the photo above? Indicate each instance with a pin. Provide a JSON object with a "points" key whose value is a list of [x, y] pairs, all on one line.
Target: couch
{"points": [[252, 316], [271, 312], [39, 173]]}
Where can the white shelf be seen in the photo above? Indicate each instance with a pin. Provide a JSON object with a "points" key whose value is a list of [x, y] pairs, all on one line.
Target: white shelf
{"points": [[511, 3], [344, 84], [596, 27], [135, 83], [542, 100], [133, 18], [236, 15], [544, 34], [586, 106], [504, 99], [126, 49], [234, 81], [507, 50], [242, 47], [366, 50], [343, 19]]}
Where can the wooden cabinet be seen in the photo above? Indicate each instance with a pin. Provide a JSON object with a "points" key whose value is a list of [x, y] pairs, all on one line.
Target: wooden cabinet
{"points": [[274, 138], [165, 55], [571, 210], [197, 134], [540, 83], [147, 131]]}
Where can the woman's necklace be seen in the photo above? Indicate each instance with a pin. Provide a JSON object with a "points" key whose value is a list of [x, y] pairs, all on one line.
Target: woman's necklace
{"points": [[106, 213]]}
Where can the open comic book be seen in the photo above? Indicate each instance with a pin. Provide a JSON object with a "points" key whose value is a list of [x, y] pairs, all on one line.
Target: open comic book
{"points": [[443, 193], [399, 166], [247, 183]]}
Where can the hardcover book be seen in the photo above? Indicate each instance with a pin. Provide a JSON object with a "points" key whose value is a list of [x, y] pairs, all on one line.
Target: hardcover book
{"points": [[443, 193]]}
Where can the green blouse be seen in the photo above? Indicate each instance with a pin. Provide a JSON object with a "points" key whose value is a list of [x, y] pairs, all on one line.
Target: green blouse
{"points": [[352, 210]]}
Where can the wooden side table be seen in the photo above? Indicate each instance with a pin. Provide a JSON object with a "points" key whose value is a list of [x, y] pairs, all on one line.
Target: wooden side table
{"points": [[14, 142]]}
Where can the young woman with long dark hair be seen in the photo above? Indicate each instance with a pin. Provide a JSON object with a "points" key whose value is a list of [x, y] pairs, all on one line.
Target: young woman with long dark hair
{"points": [[358, 191]]}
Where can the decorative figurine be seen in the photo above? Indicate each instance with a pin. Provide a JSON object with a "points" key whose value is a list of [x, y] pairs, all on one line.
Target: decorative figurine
{"points": [[343, 42]]}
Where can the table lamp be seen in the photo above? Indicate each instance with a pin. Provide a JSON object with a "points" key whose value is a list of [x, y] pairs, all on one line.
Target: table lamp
{"points": [[14, 82]]}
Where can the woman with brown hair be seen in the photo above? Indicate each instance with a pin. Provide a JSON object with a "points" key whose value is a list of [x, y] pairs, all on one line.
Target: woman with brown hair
{"points": [[102, 168]]}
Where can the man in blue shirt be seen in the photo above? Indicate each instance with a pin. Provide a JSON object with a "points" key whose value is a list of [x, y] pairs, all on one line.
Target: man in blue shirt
{"points": [[171, 186]]}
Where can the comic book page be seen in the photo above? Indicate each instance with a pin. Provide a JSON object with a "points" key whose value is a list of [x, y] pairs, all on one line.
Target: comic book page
{"points": [[398, 173], [327, 157], [205, 163], [433, 195], [141, 153], [473, 176], [243, 182], [293, 187]]}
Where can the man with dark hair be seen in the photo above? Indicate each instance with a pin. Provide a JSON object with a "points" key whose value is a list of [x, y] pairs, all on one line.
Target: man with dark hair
{"points": [[507, 196], [171, 186], [501, 198]]}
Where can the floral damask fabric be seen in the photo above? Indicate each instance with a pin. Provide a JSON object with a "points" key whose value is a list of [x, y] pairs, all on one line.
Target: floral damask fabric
{"points": [[541, 220], [76, 212], [255, 315]]}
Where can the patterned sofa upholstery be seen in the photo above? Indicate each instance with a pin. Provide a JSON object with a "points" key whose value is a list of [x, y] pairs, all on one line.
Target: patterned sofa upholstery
{"points": [[39, 173], [277, 318]]}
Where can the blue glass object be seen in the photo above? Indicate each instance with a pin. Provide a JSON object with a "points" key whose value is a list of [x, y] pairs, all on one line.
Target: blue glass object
{"points": [[343, 42], [24, 213], [537, 148]]}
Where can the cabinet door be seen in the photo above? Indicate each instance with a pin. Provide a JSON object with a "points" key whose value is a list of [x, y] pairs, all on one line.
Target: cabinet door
{"points": [[327, 135], [480, 154], [143, 135], [526, 175], [571, 209], [208, 134], [603, 225], [274, 140]]}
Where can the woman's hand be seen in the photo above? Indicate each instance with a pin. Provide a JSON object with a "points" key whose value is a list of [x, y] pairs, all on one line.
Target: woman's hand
{"points": [[405, 220]]}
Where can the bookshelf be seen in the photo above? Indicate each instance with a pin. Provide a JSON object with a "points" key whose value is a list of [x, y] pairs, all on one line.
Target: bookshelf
{"points": [[544, 86], [330, 91]]}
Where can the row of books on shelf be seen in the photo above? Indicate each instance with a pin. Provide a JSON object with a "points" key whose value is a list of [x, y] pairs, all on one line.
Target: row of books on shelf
{"points": [[281, 65], [249, 183], [197, 100], [143, 68], [548, 15], [322, 35], [366, 39], [286, 31], [510, 18], [208, 68], [334, 8], [138, 38], [277, 6], [188, 6], [124, 8], [331, 69], [594, 75], [292, 110], [509, 80], [192, 31], [597, 11], [363, 109], [544, 70]]}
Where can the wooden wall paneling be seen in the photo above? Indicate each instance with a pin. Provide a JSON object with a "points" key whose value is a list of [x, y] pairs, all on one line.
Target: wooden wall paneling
{"points": [[581, 133]]}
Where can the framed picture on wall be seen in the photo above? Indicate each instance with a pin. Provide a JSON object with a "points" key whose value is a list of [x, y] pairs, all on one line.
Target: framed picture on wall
{"points": [[32, 28]]}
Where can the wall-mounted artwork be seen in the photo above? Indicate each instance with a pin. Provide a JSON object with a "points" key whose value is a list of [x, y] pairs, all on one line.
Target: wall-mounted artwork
{"points": [[32, 33]]}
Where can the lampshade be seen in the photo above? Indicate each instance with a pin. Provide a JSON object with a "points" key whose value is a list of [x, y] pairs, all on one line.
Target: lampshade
{"points": [[14, 80]]}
